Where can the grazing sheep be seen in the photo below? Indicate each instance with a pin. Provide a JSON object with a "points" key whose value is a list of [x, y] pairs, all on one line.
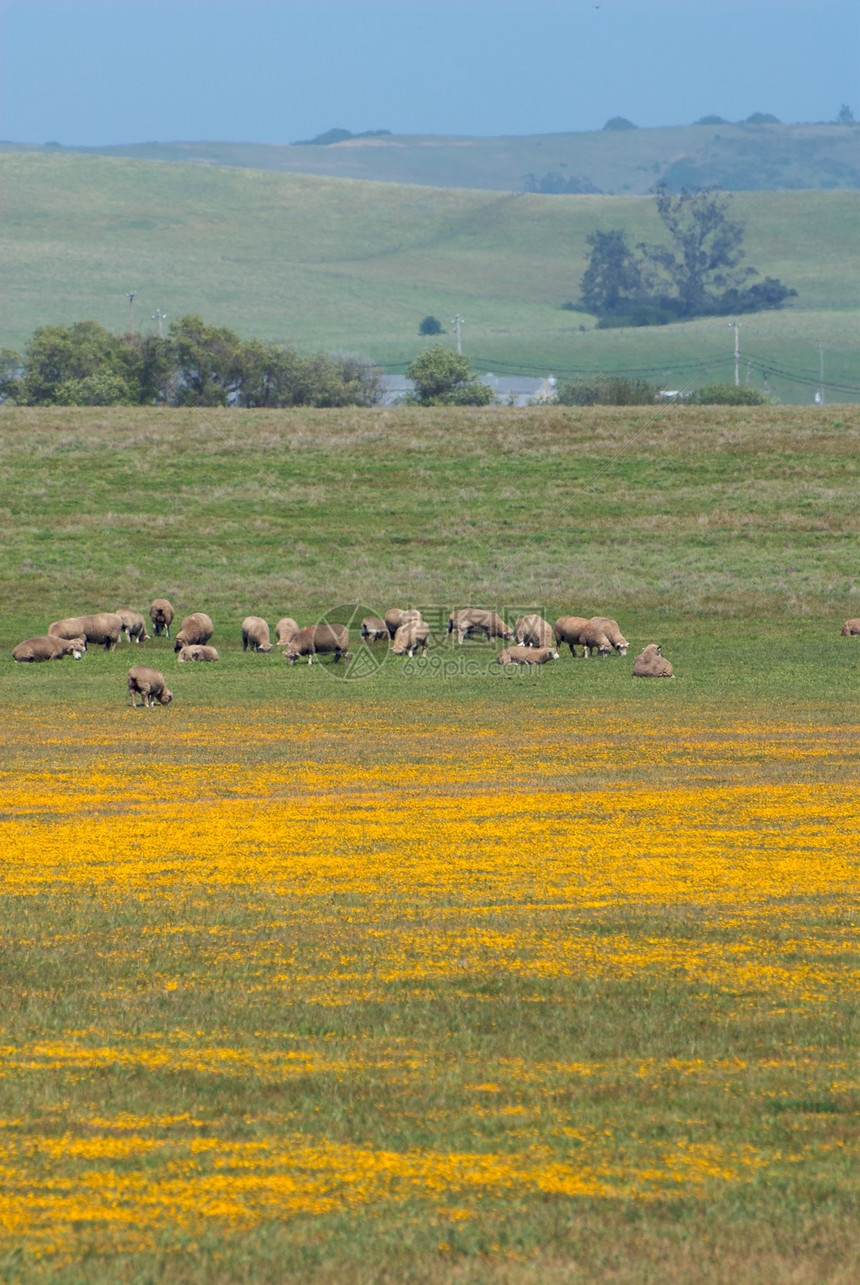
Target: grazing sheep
{"points": [[197, 651], [374, 629], [575, 630], [285, 629], [148, 683], [651, 663], [133, 624], [410, 637], [255, 634], [161, 614], [397, 616], [521, 655], [104, 627], [467, 620], [48, 647], [196, 628], [850, 628], [533, 631], [613, 633], [317, 640]]}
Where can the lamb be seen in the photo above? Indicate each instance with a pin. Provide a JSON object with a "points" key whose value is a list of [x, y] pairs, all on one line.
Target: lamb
{"points": [[316, 640], [521, 655], [466, 620], [285, 629], [197, 651], [150, 684], [133, 625], [410, 637], [374, 629], [255, 634], [533, 631], [851, 628], [651, 663], [397, 616], [161, 614], [48, 647], [104, 627], [575, 630], [196, 628], [613, 633]]}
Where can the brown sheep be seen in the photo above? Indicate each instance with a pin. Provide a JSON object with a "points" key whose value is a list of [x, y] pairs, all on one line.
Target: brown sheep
{"points": [[521, 655], [374, 629], [467, 620], [255, 634], [851, 628], [410, 637], [196, 628], [148, 683], [533, 631], [133, 624], [613, 633], [285, 629], [197, 651], [48, 647], [316, 640], [161, 614], [397, 616], [575, 630], [104, 627], [651, 663]]}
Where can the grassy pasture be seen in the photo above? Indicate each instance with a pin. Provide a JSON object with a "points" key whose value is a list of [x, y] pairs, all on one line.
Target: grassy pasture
{"points": [[354, 266], [433, 974]]}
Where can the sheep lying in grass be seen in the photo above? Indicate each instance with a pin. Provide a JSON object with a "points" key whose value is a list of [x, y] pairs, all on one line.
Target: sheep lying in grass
{"points": [[197, 651], [851, 628], [651, 663]]}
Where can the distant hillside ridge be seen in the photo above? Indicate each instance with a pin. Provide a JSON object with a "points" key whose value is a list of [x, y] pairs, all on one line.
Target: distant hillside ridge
{"points": [[738, 157]]}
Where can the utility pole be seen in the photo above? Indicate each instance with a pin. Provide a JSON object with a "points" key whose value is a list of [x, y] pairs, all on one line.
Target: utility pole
{"points": [[160, 317], [734, 325], [820, 398], [130, 294], [457, 323]]}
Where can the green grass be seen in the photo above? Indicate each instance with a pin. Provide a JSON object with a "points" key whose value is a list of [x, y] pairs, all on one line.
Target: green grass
{"points": [[346, 266], [731, 536]]}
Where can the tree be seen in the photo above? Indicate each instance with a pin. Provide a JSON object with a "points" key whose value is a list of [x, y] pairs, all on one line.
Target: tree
{"points": [[845, 116], [430, 326], [444, 378], [59, 355], [207, 360], [705, 248], [619, 122], [614, 272]]}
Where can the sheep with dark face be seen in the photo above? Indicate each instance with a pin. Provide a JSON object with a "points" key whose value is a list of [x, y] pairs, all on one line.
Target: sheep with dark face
{"points": [[255, 634], [148, 683], [48, 647], [318, 640], [533, 631], [466, 621], [651, 663], [161, 614], [851, 628], [374, 629], [196, 628], [410, 637]]}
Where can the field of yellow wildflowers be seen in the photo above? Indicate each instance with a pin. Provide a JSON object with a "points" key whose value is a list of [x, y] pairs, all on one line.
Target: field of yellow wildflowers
{"points": [[436, 976]]}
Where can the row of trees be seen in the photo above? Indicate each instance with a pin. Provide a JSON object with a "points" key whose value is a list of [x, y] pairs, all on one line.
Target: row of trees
{"points": [[196, 364], [697, 272]]}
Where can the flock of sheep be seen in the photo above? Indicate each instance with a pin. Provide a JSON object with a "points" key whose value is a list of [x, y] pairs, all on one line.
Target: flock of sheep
{"points": [[534, 641]]}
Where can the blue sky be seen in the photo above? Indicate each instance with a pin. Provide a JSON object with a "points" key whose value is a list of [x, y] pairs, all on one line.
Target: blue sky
{"points": [[94, 72]]}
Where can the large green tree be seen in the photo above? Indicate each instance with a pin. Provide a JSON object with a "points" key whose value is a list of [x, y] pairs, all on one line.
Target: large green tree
{"points": [[444, 378]]}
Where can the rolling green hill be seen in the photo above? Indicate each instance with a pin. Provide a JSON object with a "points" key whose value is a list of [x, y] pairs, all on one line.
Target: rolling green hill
{"points": [[354, 266], [740, 157]]}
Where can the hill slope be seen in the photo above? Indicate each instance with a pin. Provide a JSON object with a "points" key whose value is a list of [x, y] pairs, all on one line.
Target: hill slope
{"points": [[736, 157], [354, 266]]}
